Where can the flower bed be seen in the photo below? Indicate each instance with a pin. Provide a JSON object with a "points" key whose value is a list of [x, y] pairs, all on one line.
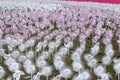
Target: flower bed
{"points": [[58, 42]]}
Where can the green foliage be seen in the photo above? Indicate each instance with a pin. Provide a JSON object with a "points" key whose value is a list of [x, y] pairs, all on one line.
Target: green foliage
{"points": [[50, 62], [68, 60]]}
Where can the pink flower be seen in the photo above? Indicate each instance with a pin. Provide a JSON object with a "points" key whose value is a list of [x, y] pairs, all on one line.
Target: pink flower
{"points": [[7, 30], [82, 38], [48, 37], [57, 32], [67, 39], [88, 32], [118, 41], [46, 32], [109, 34], [73, 36], [77, 32], [14, 29], [103, 30], [118, 32], [33, 38], [97, 32], [106, 41], [95, 39], [93, 22], [25, 36], [32, 29], [59, 37], [83, 29]]}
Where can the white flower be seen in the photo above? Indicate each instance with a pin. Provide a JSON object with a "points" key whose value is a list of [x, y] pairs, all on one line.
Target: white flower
{"points": [[9, 61], [108, 47], [32, 42], [40, 58], [21, 47], [105, 76], [2, 51], [14, 42], [22, 58], [115, 60], [75, 56], [64, 50], [83, 43], [86, 75], [110, 52], [41, 63], [99, 70], [116, 67], [57, 58], [7, 56], [39, 46], [77, 66], [8, 40], [80, 50], [57, 43], [51, 49], [45, 54], [92, 63], [30, 69], [2, 42], [83, 76], [106, 60], [30, 54], [66, 73], [37, 76], [69, 44], [2, 72], [82, 47], [27, 62], [51, 44], [59, 65], [88, 57], [10, 47], [20, 41], [15, 54], [17, 74], [47, 71], [29, 43], [95, 49], [44, 43], [61, 54], [14, 67]]}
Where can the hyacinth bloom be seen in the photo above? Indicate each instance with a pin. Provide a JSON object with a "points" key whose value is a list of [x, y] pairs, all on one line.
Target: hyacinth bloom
{"points": [[44, 40]]}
